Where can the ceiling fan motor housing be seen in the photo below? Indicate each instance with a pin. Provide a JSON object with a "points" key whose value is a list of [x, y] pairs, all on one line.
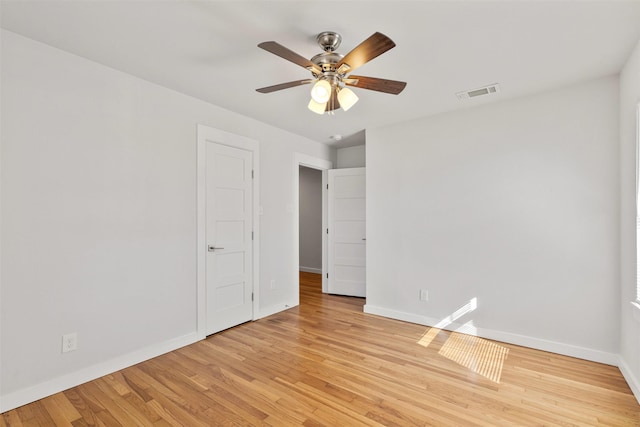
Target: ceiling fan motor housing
{"points": [[327, 61], [329, 40]]}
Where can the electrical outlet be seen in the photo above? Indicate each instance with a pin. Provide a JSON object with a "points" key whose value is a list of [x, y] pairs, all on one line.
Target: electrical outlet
{"points": [[69, 342], [424, 295], [272, 284]]}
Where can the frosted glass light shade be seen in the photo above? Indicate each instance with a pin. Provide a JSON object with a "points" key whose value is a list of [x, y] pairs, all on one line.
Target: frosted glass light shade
{"points": [[321, 91], [347, 98], [317, 107]]}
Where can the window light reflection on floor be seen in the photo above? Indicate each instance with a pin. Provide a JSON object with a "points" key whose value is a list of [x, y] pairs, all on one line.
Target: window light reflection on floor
{"points": [[479, 355]]}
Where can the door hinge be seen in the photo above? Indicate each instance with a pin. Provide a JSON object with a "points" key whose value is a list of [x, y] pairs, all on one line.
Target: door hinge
{"points": [[251, 173], [252, 235], [327, 275], [251, 296], [327, 186], [327, 230]]}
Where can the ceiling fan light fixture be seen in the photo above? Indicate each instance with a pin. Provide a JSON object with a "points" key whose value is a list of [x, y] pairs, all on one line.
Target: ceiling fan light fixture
{"points": [[330, 71], [317, 107], [321, 91], [347, 98]]}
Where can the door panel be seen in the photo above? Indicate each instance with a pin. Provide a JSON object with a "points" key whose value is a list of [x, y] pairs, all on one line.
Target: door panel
{"points": [[347, 226], [349, 185], [229, 190], [350, 254], [349, 209]]}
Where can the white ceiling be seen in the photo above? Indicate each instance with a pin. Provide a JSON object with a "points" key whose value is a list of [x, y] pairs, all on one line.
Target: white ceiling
{"points": [[207, 49]]}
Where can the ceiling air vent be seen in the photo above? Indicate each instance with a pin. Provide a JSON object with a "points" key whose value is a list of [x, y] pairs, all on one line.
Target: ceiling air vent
{"points": [[485, 90]]}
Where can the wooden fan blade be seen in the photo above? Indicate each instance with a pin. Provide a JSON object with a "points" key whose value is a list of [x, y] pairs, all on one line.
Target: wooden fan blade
{"points": [[289, 55], [381, 85], [281, 86], [371, 48]]}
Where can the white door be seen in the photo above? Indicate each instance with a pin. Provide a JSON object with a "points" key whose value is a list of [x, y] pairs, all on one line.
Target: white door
{"points": [[229, 197], [347, 239]]}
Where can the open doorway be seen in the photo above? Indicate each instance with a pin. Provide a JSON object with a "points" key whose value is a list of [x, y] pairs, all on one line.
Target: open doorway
{"points": [[302, 164], [310, 228], [310, 220]]}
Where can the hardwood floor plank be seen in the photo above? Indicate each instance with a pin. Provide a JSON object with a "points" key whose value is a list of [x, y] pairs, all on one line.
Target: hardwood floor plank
{"points": [[141, 406], [175, 413], [11, 419], [326, 363], [83, 406], [58, 415]]}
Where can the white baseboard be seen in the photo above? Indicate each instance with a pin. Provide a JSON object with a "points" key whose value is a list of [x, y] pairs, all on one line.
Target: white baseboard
{"points": [[551, 346], [507, 337], [634, 383], [56, 385], [400, 315], [268, 311], [310, 270]]}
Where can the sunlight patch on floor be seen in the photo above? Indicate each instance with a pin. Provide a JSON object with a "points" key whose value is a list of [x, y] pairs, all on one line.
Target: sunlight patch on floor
{"points": [[428, 337], [481, 356], [463, 347], [467, 308]]}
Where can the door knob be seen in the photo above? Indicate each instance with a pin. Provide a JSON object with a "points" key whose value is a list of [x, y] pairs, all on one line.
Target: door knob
{"points": [[213, 248]]}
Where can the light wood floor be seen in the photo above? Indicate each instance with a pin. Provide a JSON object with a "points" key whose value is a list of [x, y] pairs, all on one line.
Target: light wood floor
{"points": [[327, 363]]}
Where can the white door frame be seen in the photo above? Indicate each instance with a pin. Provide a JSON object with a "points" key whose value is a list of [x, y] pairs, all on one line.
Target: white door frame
{"points": [[206, 134], [300, 159]]}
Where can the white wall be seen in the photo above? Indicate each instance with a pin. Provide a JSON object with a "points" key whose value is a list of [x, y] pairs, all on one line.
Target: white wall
{"points": [[513, 203], [99, 217], [351, 157], [629, 326], [310, 220]]}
